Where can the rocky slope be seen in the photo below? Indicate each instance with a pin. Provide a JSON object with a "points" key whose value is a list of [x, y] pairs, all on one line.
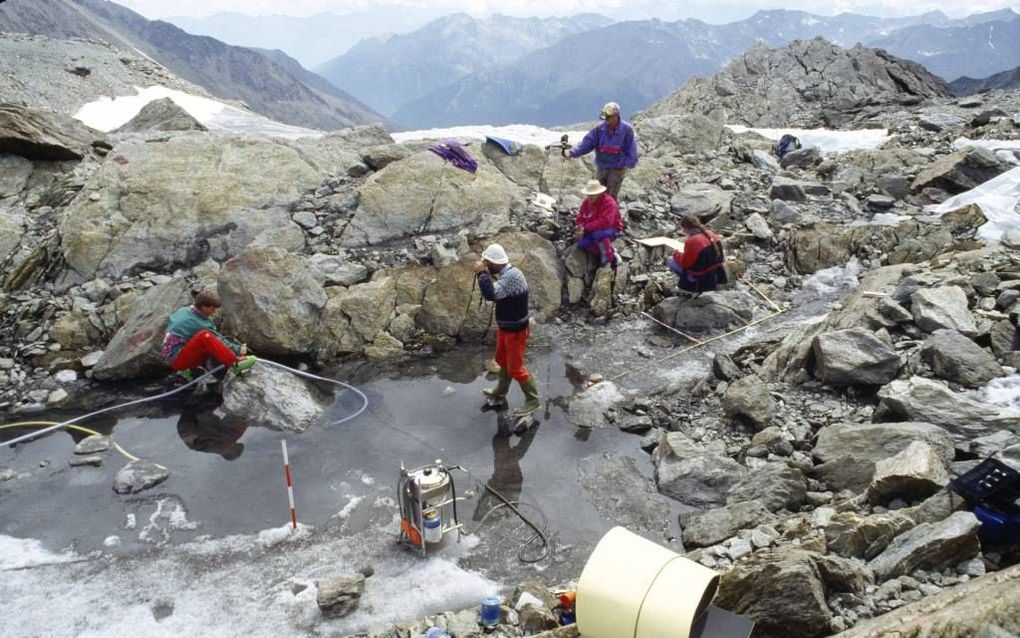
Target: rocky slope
{"points": [[806, 84], [228, 72], [810, 459]]}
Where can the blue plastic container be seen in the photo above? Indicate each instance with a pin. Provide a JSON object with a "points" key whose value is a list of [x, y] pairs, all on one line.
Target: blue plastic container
{"points": [[997, 527], [490, 611]]}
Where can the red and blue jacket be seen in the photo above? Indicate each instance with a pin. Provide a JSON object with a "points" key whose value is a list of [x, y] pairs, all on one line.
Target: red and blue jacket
{"points": [[601, 214], [615, 148]]}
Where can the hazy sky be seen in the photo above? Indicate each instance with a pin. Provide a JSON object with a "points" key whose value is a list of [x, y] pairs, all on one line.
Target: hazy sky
{"points": [[708, 10]]}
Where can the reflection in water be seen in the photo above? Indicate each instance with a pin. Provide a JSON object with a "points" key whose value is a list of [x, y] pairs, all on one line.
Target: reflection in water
{"points": [[507, 478], [203, 431]]}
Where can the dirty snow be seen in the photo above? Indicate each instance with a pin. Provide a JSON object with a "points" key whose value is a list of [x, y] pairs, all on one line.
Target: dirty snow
{"points": [[253, 587], [999, 199], [1008, 150], [826, 140], [107, 114]]}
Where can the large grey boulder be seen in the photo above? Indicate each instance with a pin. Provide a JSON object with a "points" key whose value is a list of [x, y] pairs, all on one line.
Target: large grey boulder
{"points": [[134, 351], [161, 115], [702, 529], [749, 398], [271, 301], [701, 200], [137, 476], [189, 198], [788, 589], [916, 472], [775, 485], [450, 304], [272, 398], [709, 311], [855, 357], [922, 399], [693, 474], [355, 317], [930, 546], [956, 358], [44, 135], [801, 158], [942, 308], [849, 534], [878, 441], [961, 171], [424, 194], [986, 607], [335, 270], [689, 132]]}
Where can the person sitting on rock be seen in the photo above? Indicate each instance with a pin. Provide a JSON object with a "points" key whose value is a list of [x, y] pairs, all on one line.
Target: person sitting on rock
{"points": [[191, 338], [700, 265], [598, 224]]}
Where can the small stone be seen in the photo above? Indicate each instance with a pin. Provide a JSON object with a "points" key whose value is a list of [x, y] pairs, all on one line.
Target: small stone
{"points": [[739, 547], [91, 359], [93, 444], [79, 461], [137, 476], [56, 397], [6, 364], [338, 597]]}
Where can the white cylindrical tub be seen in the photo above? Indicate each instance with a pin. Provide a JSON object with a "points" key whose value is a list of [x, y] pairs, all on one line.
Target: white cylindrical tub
{"points": [[634, 588]]}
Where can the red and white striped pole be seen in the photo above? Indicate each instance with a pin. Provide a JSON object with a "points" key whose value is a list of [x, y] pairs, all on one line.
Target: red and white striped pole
{"points": [[290, 484]]}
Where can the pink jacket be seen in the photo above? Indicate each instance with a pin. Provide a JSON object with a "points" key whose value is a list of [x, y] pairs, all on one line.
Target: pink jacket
{"points": [[602, 214]]}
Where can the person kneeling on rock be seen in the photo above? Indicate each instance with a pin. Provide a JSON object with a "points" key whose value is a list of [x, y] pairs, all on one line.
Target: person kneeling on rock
{"points": [[598, 224], [191, 338], [700, 265]]}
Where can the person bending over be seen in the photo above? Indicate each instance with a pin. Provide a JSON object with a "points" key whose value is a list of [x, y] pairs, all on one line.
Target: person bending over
{"points": [[191, 338]]}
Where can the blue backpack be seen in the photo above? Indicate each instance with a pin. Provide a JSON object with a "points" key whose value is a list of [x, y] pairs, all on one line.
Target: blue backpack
{"points": [[786, 144]]}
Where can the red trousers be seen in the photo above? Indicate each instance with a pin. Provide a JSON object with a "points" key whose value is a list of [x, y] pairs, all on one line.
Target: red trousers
{"points": [[200, 347], [510, 353]]}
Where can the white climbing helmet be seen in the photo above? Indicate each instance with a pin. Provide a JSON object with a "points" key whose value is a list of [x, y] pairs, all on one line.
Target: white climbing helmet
{"points": [[495, 254], [610, 109]]}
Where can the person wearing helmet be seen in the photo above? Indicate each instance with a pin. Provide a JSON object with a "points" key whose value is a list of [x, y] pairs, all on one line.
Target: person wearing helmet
{"points": [[615, 148], [505, 285]]}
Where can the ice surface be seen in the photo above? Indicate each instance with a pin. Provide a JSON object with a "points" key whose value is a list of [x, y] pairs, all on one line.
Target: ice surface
{"points": [[255, 585], [826, 140], [19, 553], [998, 198], [107, 114], [1008, 150], [523, 133], [1003, 392]]}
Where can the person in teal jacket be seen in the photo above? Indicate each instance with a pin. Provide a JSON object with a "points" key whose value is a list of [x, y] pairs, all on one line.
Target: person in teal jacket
{"points": [[191, 338]]}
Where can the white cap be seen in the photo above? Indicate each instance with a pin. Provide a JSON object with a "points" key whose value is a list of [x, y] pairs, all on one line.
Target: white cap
{"points": [[494, 253]]}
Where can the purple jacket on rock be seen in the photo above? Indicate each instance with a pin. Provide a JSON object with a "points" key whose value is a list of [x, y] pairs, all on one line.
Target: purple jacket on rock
{"points": [[613, 149]]}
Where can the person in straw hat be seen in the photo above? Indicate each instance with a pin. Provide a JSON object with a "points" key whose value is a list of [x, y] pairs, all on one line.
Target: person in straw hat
{"points": [[615, 148], [505, 285], [598, 223]]}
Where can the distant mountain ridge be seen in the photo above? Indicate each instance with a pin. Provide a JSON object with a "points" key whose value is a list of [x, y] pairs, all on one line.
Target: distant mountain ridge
{"points": [[234, 73], [388, 73], [568, 80], [312, 40], [968, 86]]}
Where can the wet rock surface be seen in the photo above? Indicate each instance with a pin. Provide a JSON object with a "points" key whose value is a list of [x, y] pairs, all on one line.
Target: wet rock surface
{"points": [[268, 397]]}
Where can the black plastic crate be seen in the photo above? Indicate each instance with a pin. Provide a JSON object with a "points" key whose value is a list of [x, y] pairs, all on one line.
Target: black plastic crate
{"points": [[992, 482]]}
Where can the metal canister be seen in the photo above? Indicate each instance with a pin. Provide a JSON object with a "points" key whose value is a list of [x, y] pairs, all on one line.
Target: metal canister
{"points": [[491, 612], [433, 524]]}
